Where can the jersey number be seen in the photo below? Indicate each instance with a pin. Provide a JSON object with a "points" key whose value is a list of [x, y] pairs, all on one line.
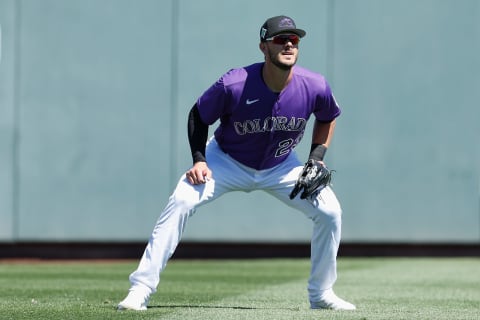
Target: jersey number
{"points": [[285, 146]]}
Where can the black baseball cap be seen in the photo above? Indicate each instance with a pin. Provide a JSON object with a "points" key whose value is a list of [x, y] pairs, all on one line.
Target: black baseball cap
{"points": [[277, 25]]}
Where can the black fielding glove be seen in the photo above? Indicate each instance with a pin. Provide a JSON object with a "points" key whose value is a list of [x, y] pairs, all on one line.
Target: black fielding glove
{"points": [[313, 178]]}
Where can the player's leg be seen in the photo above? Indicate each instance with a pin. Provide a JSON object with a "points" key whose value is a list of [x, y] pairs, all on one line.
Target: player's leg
{"points": [[163, 241], [166, 235], [325, 212], [171, 223]]}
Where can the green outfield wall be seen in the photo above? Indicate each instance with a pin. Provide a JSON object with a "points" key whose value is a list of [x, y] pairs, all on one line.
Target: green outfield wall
{"points": [[94, 97]]}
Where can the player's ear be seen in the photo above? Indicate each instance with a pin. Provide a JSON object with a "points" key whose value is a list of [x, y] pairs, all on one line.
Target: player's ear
{"points": [[263, 47]]}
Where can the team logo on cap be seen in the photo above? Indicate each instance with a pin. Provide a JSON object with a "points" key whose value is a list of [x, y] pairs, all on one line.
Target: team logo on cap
{"points": [[286, 23], [263, 33]]}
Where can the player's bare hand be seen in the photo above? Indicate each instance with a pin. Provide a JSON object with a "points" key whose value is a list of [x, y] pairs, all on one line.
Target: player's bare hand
{"points": [[199, 173]]}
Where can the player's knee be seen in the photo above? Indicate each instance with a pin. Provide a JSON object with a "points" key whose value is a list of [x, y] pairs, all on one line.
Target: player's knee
{"points": [[181, 200], [331, 216], [178, 208]]}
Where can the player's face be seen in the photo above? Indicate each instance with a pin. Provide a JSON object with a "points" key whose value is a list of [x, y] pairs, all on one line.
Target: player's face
{"points": [[282, 51]]}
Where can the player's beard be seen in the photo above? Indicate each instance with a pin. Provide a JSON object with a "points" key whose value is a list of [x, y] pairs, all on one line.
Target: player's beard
{"points": [[281, 65]]}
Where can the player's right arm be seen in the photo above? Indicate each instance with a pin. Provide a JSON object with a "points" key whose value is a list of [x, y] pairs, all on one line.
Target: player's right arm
{"points": [[197, 137]]}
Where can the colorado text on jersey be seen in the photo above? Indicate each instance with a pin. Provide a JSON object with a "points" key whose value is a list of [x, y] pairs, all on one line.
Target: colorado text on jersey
{"points": [[270, 124]]}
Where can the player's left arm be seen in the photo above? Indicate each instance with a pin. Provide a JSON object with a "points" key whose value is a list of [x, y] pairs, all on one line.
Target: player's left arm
{"points": [[321, 138]]}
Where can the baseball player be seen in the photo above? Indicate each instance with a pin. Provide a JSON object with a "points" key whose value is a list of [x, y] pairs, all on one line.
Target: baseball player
{"points": [[263, 110]]}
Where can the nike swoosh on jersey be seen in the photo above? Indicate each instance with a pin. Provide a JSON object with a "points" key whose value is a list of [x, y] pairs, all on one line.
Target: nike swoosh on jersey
{"points": [[251, 101]]}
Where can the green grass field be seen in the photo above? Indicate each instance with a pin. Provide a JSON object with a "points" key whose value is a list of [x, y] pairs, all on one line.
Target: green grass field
{"points": [[386, 288]]}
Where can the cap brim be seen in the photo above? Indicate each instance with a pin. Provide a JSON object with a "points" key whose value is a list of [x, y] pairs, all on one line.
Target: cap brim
{"points": [[299, 32]]}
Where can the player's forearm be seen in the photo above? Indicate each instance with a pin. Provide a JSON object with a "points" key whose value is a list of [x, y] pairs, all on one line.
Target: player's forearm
{"points": [[197, 135], [323, 132], [321, 138]]}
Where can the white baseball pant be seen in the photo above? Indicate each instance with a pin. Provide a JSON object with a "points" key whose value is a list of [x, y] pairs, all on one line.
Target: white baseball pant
{"points": [[229, 175]]}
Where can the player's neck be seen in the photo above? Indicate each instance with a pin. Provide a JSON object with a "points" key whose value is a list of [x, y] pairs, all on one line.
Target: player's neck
{"points": [[275, 78]]}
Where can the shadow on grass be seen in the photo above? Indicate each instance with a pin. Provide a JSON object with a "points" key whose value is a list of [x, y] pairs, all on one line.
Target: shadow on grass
{"points": [[186, 306]]}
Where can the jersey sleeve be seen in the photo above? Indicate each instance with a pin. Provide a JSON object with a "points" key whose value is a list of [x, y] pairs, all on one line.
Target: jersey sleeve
{"points": [[212, 103], [327, 108]]}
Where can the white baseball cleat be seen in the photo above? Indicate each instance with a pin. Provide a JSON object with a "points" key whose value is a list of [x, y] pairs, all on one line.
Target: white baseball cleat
{"points": [[329, 300], [137, 299]]}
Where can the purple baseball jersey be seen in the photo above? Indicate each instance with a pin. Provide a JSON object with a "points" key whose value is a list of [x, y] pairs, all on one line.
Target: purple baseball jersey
{"points": [[259, 127]]}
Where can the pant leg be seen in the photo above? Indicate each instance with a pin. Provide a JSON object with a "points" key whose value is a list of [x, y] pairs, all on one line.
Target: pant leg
{"points": [[168, 231], [183, 202], [327, 224], [325, 212]]}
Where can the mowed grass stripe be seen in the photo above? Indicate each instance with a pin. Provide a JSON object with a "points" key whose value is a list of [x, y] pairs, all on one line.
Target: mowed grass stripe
{"points": [[219, 284], [282, 301]]}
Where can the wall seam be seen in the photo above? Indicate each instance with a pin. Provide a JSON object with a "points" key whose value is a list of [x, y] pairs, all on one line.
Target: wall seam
{"points": [[16, 124], [174, 94]]}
